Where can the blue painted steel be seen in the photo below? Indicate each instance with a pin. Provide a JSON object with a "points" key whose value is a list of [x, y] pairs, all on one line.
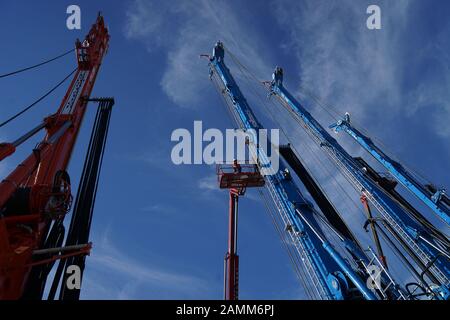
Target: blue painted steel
{"points": [[401, 222], [396, 169], [353, 277], [324, 264]]}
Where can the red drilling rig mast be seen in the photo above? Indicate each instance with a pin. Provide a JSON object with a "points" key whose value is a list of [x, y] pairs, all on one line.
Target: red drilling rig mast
{"points": [[237, 178], [36, 196]]}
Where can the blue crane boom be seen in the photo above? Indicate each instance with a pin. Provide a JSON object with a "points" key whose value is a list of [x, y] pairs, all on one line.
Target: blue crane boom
{"points": [[432, 200], [409, 233], [328, 271]]}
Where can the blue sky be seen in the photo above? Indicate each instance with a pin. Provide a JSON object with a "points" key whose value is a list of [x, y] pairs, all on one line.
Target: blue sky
{"points": [[159, 230]]}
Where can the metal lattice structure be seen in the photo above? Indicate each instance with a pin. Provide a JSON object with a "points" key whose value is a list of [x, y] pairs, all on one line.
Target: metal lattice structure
{"points": [[327, 271]]}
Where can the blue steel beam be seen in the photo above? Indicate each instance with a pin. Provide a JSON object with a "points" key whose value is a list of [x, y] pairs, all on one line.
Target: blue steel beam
{"points": [[391, 212], [322, 262], [433, 201]]}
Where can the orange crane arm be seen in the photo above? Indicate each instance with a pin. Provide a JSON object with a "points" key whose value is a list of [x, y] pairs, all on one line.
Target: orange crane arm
{"points": [[37, 192]]}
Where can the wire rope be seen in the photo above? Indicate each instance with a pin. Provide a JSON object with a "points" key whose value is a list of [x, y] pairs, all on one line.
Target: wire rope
{"points": [[36, 65], [38, 100]]}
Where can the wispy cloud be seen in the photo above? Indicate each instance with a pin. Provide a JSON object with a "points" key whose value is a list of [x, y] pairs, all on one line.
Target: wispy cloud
{"points": [[340, 59], [158, 208], [193, 29], [386, 79], [208, 183], [125, 276], [372, 74]]}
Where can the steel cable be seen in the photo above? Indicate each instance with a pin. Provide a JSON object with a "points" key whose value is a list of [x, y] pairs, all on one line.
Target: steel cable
{"points": [[36, 65], [38, 100]]}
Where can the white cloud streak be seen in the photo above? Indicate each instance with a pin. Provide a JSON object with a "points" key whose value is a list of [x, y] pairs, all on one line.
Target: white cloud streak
{"points": [[194, 28], [340, 59], [130, 275], [208, 183], [364, 71]]}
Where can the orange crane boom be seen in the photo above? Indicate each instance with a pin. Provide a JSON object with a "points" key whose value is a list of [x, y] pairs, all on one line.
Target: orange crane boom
{"points": [[37, 193]]}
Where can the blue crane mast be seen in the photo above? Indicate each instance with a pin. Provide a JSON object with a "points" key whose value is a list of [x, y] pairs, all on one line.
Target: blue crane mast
{"points": [[435, 200], [328, 271], [412, 236]]}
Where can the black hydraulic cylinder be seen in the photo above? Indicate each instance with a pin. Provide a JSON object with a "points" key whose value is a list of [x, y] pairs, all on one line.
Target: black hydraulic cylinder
{"points": [[316, 193], [80, 224]]}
